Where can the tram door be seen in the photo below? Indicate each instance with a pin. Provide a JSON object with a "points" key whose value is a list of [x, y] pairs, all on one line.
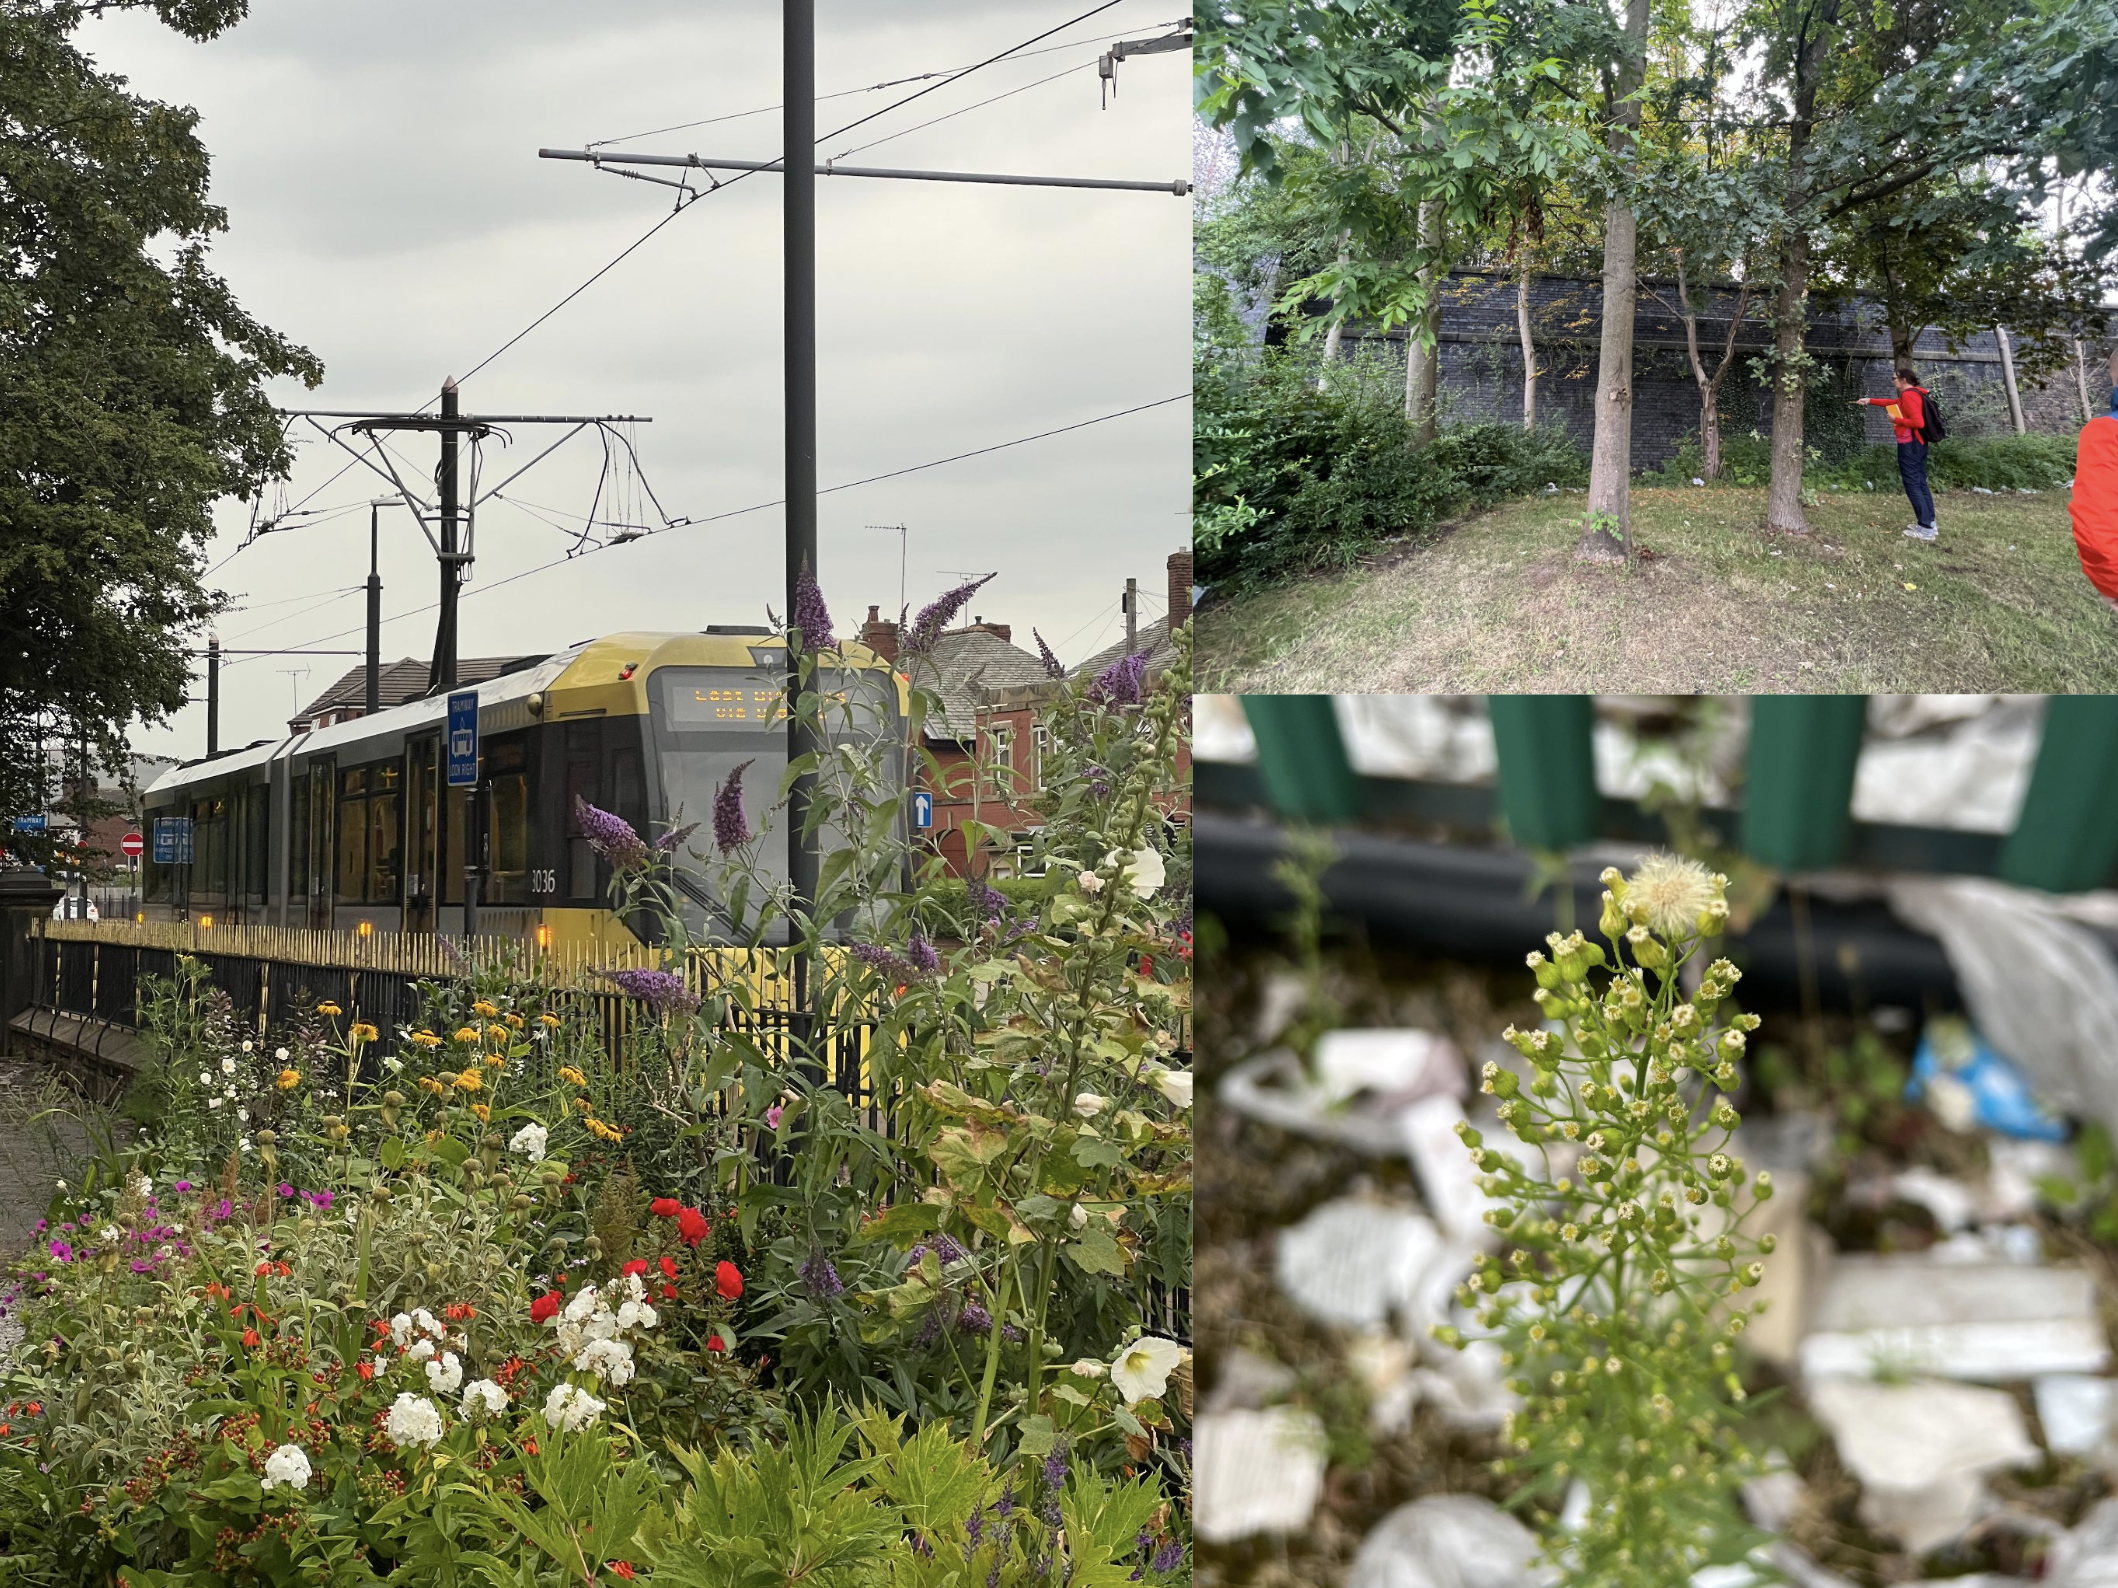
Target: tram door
{"points": [[423, 859], [323, 840]]}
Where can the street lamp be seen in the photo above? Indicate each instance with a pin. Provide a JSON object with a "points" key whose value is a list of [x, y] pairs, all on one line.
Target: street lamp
{"points": [[375, 508]]}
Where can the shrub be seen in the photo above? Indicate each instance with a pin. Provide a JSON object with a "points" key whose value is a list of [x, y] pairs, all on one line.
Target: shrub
{"points": [[1289, 478], [2034, 462]]}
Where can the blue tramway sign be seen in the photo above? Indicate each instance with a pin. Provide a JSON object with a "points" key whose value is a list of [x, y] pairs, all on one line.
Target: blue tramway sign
{"points": [[463, 739]]}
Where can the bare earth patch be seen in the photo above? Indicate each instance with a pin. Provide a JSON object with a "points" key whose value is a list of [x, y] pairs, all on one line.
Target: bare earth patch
{"points": [[1501, 605]]}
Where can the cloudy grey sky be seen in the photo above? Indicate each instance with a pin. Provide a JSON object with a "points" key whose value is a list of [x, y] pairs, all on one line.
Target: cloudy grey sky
{"points": [[388, 211]]}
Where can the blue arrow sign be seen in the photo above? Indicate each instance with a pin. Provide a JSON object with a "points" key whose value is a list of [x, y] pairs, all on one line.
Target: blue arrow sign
{"points": [[30, 824], [172, 840], [463, 739], [922, 810]]}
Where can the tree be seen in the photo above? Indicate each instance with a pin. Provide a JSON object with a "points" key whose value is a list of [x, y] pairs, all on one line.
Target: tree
{"points": [[131, 392]]}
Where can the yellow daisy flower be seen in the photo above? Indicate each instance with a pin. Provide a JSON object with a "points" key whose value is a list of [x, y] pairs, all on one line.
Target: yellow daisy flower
{"points": [[572, 1076], [469, 1081], [482, 1111], [497, 1061], [329, 1008], [496, 1034], [548, 1020], [289, 1079], [584, 1105], [426, 1039], [481, 1007], [363, 1032], [427, 1083], [467, 1034], [515, 1022]]}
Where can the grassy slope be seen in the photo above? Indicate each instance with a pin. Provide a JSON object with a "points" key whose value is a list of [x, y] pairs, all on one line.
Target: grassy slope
{"points": [[1500, 605]]}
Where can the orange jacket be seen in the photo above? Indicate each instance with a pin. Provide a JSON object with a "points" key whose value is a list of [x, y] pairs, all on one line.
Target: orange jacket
{"points": [[2095, 504], [1906, 414]]}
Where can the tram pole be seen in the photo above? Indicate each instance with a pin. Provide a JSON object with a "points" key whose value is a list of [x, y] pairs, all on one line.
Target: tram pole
{"points": [[451, 564], [798, 218]]}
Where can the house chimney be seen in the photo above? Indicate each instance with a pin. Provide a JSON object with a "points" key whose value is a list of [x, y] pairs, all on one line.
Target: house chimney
{"points": [[880, 636], [1179, 588], [999, 631]]}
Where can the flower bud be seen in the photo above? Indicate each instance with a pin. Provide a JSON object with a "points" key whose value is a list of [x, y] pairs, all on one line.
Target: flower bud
{"points": [[1763, 1189], [1546, 972], [1499, 1082]]}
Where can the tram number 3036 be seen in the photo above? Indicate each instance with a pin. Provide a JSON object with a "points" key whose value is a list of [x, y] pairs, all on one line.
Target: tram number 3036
{"points": [[544, 882]]}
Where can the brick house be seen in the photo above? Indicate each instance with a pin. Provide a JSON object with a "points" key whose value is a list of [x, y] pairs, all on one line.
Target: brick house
{"points": [[985, 740]]}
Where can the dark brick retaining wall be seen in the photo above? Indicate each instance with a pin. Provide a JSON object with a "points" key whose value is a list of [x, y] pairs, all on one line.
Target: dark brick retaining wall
{"points": [[1481, 365]]}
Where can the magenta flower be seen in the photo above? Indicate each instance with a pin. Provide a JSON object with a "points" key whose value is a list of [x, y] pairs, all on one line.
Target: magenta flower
{"points": [[810, 614], [62, 1251], [285, 1189], [660, 991], [319, 1199], [730, 830], [1053, 667], [611, 837], [183, 1186], [772, 1117], [936, 615]]}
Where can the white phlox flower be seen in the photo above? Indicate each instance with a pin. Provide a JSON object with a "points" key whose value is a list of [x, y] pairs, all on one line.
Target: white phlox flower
{"points": [[108, 1233], [420, 1351], [428, 1322], [443, 1376], [570, 1407], [609, 1360], [413, 1420], [287, 1465], [1142, 1369], [401, 1330], [529, 1141], [483, 1394]]}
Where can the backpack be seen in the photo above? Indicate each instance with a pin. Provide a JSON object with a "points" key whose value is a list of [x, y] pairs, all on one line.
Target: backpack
{"points": [[1931, 428]]}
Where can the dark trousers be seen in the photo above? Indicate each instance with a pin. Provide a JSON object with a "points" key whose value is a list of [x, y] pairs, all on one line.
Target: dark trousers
{"points": [[1912, 469]]}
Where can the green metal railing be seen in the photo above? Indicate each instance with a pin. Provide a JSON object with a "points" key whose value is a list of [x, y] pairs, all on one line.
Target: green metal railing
{"points": [[1797, 797]]}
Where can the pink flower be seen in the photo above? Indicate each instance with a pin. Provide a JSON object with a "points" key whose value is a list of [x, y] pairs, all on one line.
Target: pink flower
{"points": [[772, 1117]]}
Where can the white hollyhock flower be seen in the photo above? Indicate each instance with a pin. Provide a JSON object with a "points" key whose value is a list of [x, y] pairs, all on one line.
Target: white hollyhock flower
{"points": [[443, 1376], [1079, 1217], [1088, 1105], [286, 1465], [1175, 1085], [484, 1394], [413, 1420], [1090, 883], [1142, 1369], [108, 1233], [571, 1408], [1142, 871], [529, 1141]]}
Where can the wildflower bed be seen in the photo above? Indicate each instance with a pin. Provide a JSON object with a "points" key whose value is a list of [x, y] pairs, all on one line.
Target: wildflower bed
{"points": [[505, 1306]]}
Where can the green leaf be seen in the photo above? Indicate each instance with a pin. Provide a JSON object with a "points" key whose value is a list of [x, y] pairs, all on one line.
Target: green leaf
{"points": [[902, 1224], [1097, 1251], [1038, 1435], [392, 1154]]}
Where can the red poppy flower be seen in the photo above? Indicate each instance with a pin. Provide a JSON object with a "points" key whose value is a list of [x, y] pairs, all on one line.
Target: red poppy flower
{"points": [[637, 1266], [715, 1343], [664, 1207], [250, 1337], [545, 1307], [669, 1267], [728, 1280], [669, 1292], [692, 1227]]}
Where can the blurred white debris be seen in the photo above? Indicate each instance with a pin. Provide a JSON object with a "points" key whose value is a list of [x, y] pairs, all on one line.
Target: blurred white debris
{"points": [[1444, 737], [1772, 1497], [1354, 1263], [1220, 731], [1383, 1363], [2075, 1410], [1953, 1203], [1960, 761], [1450, 1541], [2042, 990], [2087, 1557], [1921, 1451], [1341, 1102], [1247, 1382], [1394, 1068], [2013, 1169], [1256, 1472], [1279, 1001], [1991, 1322]]}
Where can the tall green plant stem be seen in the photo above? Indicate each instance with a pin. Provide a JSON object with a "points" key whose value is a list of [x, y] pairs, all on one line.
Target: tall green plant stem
{"points": [[992, 1358]]}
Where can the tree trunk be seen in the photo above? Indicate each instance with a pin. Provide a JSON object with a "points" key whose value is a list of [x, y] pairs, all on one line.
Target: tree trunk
{"points": [[1529, 346], [1332, 336], [1901, 339], [1422, 350], [2081, 382], [1611, 456], [2007, 373], [1783, 505]]}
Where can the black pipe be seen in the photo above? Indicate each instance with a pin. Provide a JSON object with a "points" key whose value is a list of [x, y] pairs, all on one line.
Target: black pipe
{"points": [[1474, 904], [798, 227]]}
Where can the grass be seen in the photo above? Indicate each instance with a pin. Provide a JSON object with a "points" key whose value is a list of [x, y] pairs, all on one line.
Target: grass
{"points": [[1498, 604]]}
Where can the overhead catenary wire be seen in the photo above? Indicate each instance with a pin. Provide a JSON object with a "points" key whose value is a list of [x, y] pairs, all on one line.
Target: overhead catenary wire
{"points": [[847, 154], [758, 507]]}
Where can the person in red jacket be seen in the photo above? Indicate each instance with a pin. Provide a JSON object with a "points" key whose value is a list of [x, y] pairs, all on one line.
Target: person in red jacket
{"points": [[1908, 416], [2095, 504]]}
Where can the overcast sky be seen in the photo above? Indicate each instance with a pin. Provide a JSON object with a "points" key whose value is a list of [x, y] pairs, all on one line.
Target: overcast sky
{"points": [[387, 210]]}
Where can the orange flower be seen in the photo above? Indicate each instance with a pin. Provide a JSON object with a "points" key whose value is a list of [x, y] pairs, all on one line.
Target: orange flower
{"points": [[250, 1337], [481, 1007], [572, 1076], [467, 1034], [469, 1081], [363, 1032], [484, 1113]]}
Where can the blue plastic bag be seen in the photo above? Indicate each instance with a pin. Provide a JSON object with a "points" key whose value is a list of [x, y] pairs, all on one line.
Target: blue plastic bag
{"points": [[1966, 1083]]}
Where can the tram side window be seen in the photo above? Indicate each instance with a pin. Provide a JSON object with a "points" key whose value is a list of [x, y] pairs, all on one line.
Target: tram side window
{"points": [[507, 823], [257, 819], [384, 854], [582, 745], [352, 836], [297, 842], [154, 880], [209, 851]]}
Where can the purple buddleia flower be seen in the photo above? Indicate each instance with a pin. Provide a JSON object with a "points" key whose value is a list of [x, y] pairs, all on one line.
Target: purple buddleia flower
{"points": [[986, 903], [810, 614], [820, 1277], [609, 836], [1169, 1557], [1053, 667], [946, 1247], [1011, 1334], [923, 955], [936, 616], [660, 991], [974, 1319], [1119, 683], [884, 963], [730, 830], [674, 838]]}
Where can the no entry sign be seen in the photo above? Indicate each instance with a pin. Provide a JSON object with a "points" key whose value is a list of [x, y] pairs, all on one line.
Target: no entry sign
{"points": [[133, 845]]}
